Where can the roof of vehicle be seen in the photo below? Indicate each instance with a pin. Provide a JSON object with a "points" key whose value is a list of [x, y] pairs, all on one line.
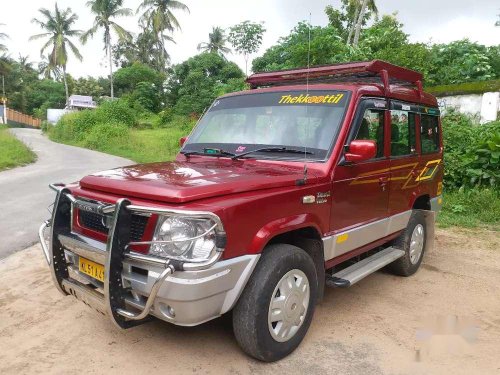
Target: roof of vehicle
{"points": [[372, 78]]}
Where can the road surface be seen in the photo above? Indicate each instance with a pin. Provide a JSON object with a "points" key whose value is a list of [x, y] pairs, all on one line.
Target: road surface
{"points": [[24, 193]]}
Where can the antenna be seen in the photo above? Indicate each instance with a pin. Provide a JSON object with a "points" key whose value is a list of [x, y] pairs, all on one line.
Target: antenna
{"points": [[304, 180]]}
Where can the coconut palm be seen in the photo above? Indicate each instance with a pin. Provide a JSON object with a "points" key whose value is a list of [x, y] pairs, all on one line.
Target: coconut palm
{"points": [[216, 42], [47, 70], [58, 29], [159, 17], [105, 11], [3, 48]]}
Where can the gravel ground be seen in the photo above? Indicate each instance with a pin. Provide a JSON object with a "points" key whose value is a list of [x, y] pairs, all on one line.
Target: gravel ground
{"points": [[443, 320]]}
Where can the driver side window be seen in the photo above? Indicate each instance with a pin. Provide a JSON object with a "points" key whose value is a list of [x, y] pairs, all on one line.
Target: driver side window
{"points": [[372, 128]]}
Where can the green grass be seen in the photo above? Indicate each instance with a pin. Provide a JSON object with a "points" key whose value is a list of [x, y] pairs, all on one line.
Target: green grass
{"points": [[475, 208], [145, 146], [141, 146], [13, 152]]}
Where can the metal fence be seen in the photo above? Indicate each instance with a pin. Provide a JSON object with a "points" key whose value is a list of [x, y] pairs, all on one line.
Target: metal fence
{"points": [[18, 118]]}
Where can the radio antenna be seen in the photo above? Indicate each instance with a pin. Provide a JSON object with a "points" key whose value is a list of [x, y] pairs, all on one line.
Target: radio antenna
{"points": [[304, 180]]}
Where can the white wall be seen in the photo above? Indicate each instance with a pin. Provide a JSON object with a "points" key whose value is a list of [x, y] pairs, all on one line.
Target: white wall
{"points": [[53, 115], [484, 107]]}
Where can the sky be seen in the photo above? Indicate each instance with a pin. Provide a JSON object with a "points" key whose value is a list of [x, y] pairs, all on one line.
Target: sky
{"points": [[439, 21]]}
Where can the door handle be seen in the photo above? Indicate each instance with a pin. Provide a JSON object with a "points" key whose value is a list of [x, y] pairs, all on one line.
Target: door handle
{"points": [[383, 180]]}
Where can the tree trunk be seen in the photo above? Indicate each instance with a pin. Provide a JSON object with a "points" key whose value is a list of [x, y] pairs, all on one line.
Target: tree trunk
{"points": [[65, 84], [111, 69], [353, 26], [246, 64], [359, 22]]}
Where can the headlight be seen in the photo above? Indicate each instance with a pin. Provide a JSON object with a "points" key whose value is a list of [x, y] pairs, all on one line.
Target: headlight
{"points": [[188, 239]]}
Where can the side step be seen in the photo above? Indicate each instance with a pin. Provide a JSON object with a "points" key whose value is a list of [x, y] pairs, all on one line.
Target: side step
{"points": [[352, 274]]}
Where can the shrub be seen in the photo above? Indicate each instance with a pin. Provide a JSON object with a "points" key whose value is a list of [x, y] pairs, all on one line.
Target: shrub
{"points": [[116, 111], [102, 135], [471, 153]]}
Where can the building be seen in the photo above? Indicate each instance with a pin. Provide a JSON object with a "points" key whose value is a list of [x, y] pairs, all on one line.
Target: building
{"points": [[80, 102]]}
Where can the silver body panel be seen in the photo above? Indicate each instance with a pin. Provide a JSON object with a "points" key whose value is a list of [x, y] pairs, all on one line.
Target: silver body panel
{"points": [[194, 296], [437, 203], [351, 239]]}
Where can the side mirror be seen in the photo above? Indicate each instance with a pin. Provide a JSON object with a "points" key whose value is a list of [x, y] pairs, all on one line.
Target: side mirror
{"points": [[361, 150], [182, 141]]}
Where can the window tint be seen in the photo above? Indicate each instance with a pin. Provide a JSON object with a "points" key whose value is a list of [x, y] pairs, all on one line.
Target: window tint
{"points": [[372, 128], [429, 134], [402, 133]]}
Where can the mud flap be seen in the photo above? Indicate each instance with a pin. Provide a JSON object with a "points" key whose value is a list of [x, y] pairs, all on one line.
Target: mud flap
{"points": [[430, 222]]}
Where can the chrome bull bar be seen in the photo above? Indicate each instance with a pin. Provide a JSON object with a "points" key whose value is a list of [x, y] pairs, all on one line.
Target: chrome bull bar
{"points": [[117, 250]]}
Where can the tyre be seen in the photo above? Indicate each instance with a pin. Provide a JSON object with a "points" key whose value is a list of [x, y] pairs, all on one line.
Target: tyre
{"points": [[413, 241], [275, 310]]}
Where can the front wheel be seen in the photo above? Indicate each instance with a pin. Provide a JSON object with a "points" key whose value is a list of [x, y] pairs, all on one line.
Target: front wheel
{"points": [[275, 310]]}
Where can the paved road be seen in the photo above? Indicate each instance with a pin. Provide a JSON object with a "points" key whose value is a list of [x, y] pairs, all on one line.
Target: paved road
{"points": [[24, 194]]}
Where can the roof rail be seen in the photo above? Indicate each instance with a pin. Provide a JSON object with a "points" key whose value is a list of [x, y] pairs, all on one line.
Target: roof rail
{"points": [[363, 71]]}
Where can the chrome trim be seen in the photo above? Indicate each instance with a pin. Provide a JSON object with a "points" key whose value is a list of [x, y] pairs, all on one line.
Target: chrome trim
{"points": [[339, 244], [85, 294], [152, 296], [182, 213], [85, 247], [41, 237]]}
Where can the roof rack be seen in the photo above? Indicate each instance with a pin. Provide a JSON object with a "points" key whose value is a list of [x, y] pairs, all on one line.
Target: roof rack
{"points": [[365, 71]]}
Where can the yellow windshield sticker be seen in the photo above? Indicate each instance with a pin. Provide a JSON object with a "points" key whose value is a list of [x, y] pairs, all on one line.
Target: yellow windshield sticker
{"points": [[311, 99]]}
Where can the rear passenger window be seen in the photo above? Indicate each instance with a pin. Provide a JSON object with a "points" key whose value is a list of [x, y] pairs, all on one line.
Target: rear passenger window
{"points": [[372, 128], [402, 133], [429, 134]]}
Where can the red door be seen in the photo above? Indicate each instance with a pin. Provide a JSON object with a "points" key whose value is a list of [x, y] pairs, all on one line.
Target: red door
{"points": [[360, 191]]}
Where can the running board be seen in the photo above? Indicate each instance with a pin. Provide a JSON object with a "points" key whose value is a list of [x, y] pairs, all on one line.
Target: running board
{"points": [[352, 274]]}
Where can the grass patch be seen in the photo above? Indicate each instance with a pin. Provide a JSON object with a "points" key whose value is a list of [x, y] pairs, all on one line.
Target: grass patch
{"points": [[478, 87], [13, 152], [141, 146], [471, 209]]}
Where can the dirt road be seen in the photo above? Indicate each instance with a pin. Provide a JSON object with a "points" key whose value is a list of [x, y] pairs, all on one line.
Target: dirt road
{"points": [[443, 320]]}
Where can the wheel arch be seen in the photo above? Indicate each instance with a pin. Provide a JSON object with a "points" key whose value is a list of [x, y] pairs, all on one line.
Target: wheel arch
{"points": [[308, 239], [422, 202]]}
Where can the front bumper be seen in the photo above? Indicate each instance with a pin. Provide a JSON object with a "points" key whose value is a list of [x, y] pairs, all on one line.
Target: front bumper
{"points": [[135, 285]]}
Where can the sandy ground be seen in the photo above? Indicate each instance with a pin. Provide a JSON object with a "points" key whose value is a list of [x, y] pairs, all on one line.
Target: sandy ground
{"points": [[443, 320]]}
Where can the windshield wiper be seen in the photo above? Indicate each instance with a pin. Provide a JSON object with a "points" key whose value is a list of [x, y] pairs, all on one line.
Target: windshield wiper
{"points": [[209, 152], [274, 149]]}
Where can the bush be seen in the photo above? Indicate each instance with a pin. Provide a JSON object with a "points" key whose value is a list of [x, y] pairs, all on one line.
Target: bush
{"points": [[102, 135], [116, 111], [471, 152]]}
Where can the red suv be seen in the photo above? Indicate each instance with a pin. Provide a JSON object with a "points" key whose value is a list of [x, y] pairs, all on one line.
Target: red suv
{"points": [[312, 177]]}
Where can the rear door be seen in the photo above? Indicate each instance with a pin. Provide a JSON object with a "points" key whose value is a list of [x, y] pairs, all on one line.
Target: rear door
{"points": [[404, 158]]}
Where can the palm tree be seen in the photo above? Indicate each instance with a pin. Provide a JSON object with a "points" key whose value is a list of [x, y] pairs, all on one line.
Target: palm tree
{"points": [[47, 70], [3, 48], [105, 11], [159, 17], [216, 42], [58, 27]]}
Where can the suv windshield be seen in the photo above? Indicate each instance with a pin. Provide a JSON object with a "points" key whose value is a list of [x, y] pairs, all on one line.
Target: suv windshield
{"points": [[293, 120]]}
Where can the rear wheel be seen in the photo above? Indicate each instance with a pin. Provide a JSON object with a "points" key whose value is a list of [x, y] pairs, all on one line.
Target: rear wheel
{"points": [[413, 241], [275, 310]]}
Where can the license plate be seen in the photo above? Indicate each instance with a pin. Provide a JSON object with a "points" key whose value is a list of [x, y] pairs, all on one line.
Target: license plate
{"points": [[91, 268]]}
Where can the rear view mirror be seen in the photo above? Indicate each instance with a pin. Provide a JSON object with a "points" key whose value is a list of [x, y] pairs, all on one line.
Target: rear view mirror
{"points": [[182, 141], [361, 150]]}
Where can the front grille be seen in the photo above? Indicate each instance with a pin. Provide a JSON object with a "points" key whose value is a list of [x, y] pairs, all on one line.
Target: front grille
{"points": [[95, 222]]}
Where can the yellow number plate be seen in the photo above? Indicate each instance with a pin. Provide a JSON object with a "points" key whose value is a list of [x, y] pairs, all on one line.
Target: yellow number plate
{"points": [[91, 268]]}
